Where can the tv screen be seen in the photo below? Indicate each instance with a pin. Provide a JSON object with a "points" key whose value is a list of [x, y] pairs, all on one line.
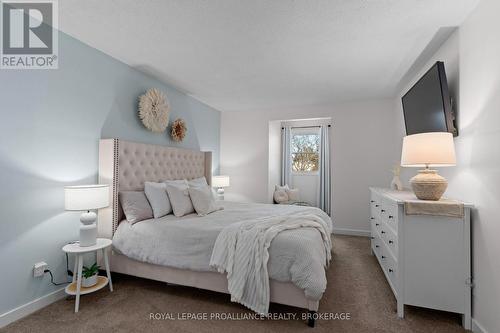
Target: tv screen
{"points": [[427, 105]]}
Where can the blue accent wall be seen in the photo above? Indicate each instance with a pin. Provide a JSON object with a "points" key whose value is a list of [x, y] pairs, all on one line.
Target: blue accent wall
{"points": [[50, 125]]}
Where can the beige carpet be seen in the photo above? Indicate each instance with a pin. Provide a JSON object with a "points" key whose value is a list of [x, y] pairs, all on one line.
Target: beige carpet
{"points": [[355, 285]]}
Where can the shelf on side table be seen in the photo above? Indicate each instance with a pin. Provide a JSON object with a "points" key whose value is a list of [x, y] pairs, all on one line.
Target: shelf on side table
{"points": [[102, 281]]}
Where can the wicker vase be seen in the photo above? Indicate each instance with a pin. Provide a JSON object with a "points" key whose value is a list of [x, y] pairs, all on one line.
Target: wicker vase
{"points": [[428, 185]]}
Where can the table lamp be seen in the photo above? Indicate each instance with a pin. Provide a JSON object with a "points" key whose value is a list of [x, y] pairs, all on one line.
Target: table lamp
{"points": [[86, 198], [427, 150], [220, 182]]}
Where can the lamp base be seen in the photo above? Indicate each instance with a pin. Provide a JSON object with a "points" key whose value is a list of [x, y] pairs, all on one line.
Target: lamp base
{"points": [[220, 193], [88, 229], [428, 185], [88, 234]]}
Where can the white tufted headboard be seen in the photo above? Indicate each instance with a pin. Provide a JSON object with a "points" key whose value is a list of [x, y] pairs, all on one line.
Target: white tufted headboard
{"points": [[125, 166]]}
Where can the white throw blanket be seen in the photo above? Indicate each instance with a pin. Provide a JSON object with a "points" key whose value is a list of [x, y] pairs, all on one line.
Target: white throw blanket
{"points": [[241, 250]]}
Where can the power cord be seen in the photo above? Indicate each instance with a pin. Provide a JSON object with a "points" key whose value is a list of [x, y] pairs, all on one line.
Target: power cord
{"points": [[70, 273], [52, 279]]}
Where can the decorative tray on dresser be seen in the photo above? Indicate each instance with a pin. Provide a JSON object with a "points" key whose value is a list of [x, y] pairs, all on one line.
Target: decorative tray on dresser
{"points": [[425, 258]]}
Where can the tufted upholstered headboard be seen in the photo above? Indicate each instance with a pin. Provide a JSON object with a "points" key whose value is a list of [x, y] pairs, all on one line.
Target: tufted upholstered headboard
{"points": [[126, 166]]}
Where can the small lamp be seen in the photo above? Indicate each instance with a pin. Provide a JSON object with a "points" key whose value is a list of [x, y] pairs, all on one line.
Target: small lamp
{"points": [[220, 182], [86, 198], [434, 149]]}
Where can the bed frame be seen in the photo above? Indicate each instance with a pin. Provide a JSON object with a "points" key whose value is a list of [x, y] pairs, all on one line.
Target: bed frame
{"points": [[125, 166]]}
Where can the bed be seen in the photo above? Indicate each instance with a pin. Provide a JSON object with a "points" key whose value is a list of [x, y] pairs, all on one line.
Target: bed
{"points": [[177, 250]]}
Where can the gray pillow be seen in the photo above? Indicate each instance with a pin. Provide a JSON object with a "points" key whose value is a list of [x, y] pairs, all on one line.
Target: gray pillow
{"points": [[180, 200], [197, 182], [203, 200], [135, 206], [158, 198]]}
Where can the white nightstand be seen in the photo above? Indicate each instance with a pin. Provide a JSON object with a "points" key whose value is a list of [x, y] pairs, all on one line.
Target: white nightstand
{"points": [[75, 288]]}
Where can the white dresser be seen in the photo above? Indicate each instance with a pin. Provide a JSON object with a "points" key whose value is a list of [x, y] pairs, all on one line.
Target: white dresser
{"points": [[426, 259]]}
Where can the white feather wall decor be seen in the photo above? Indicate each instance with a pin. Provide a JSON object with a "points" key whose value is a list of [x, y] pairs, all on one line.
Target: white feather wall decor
{"points": [[154, 110]]}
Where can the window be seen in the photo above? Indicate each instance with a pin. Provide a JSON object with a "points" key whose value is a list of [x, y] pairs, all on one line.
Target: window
{"points": [[305, 152]]}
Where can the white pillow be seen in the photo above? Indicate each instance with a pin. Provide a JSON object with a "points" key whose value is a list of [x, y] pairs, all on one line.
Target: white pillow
{"points": [[280, 196], [176, 182], [203, 200], [158, 198], [293, 194], [197, 182], [179, 199], [281, 188]]}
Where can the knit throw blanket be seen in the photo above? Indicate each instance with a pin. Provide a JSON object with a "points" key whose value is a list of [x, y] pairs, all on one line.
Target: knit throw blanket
{"points": [[241, 250]]}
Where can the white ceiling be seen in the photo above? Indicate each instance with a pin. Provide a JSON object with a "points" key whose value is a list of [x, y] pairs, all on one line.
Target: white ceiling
{"points": [[261, 54]]}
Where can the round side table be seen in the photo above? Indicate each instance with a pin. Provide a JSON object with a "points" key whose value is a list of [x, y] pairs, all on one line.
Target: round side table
{"points": [[75, 288]]}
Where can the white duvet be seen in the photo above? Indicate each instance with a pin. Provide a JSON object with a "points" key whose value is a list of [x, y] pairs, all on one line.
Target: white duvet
{"points": [[242, 250], [295, 255]]}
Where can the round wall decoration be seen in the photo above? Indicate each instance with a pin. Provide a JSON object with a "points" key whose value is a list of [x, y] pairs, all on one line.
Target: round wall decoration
{"points": [[179, 130], [154, 110]]}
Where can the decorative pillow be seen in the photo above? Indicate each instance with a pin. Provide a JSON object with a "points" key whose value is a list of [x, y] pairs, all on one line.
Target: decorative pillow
{"points": [[179, 199], [197, 182], [158, 198], [281, 188], [203, 200], [176, 182], [293, 194], [135, 206], [280, 196]]}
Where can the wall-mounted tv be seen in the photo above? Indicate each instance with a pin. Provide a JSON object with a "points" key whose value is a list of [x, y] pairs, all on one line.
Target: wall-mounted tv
{"points": [[427, 105]]}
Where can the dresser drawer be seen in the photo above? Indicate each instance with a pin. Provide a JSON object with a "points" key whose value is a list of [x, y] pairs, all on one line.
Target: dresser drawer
{"points": [[375, 208], [391, 216], [391, 269], [377, 246], [390, 240]]}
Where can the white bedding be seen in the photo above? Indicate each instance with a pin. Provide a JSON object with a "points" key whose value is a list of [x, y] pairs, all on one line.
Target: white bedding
{"points": [[242, 250], [296, 255]]}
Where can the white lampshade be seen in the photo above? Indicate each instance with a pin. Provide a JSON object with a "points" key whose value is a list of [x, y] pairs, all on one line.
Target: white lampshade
{"points": [[220, 181], [428, 149], [86, 197]]}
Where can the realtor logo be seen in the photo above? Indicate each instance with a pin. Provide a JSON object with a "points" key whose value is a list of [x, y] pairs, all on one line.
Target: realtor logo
{"points": [[29, 38]]}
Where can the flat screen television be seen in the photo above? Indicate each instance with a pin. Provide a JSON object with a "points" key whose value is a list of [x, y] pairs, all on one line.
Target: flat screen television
{"points": [[427, 105]]}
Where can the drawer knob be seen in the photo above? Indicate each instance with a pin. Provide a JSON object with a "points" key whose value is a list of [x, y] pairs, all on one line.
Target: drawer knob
{"points": [[377, 246], [382, 210], [372, 201], [376, 205], [391, 217], [383, 231], [383, 257], [391, 242], [372, 218], [390, 270], [377, 224]]}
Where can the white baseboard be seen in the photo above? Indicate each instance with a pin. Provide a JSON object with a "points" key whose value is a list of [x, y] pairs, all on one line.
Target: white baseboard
{"points": [[477, 328], [30, 307], [351, 232]]}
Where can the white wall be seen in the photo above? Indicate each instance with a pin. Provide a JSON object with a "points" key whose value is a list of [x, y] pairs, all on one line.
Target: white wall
{"points": [[364, 148], [51, 123], [472, 56]]}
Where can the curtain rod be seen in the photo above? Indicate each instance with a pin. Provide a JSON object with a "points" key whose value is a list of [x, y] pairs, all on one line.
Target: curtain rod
{"points": [[306, 126]]}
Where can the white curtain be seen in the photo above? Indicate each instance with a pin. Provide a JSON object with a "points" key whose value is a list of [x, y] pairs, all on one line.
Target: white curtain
{"points": [[286, 162], [325, 198]]}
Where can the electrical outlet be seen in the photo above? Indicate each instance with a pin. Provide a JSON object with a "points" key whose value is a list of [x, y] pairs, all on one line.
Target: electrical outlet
{"points": [[39, 268]]}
